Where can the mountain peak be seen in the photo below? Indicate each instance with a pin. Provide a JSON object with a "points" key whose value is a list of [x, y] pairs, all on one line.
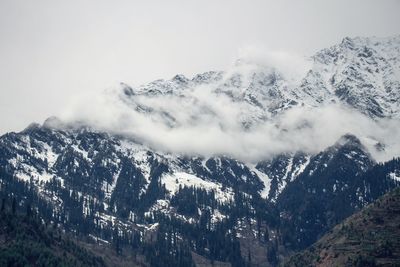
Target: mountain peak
{"points": [[31, 127], [53, 122], [207, 77], [347, 42], [180, 78], [348, 139]]}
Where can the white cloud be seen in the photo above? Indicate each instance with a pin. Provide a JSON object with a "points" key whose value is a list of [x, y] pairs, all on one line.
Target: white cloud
{"points": [[292, 65], [51, 50], [209, 124]]}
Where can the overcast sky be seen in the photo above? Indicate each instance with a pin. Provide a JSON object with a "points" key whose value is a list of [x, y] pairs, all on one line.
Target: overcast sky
{"points": [[51, 50]]}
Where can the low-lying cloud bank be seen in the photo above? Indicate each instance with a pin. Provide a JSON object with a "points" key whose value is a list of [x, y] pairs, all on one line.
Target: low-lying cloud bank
{"points": [[207, 124], [214, 118]]}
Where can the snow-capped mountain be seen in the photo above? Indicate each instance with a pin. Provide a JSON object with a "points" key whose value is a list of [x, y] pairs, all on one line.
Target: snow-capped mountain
{"points": [[122, 185], [261, 111], [362, 73]]}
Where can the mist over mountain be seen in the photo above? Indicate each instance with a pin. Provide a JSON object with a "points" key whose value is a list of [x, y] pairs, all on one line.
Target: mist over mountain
{"points": [[265, 104]]}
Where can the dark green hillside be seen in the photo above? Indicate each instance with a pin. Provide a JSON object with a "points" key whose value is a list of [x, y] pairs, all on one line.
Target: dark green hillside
{"points": [[24, 241], [371, 237]]}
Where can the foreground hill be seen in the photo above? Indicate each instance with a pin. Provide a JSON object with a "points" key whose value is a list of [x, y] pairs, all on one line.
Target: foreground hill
{"points": [[370, 237], [25, 241]]}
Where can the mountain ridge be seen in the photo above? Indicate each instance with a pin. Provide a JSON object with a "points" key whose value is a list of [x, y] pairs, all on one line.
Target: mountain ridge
{"points": [[118, 185]]}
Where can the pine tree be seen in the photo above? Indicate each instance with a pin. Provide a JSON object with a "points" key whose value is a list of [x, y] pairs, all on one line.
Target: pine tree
{"points": [[266, 235], [14, 205], [28, 210], [3, 204]]}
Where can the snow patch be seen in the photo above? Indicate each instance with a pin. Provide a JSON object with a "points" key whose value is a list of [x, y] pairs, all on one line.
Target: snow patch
{"points": [[395, 176], [265, 179], [174, 180]]}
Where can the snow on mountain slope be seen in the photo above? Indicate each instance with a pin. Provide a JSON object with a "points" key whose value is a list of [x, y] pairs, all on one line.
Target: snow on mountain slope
{"points": [[281, 170], [88, 161], [363, 73], [115, 181], [181, 179], [237, 112], [226, 110], [360, 72]]}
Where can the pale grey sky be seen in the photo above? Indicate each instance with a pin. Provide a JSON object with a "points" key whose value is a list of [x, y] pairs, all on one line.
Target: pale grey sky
{"points": [[52, 50]]}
